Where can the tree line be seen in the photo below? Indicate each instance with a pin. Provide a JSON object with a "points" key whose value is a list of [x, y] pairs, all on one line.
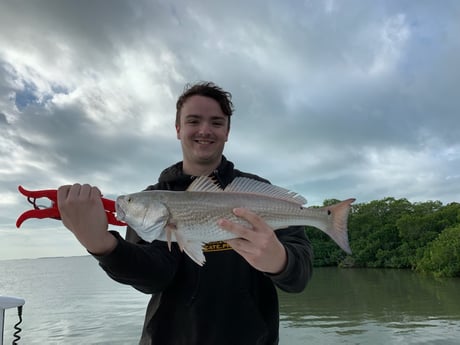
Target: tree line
{"points": [[395, 233]]}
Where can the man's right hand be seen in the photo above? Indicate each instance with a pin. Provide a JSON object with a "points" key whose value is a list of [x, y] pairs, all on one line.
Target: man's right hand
{"points": [[82, 212]]}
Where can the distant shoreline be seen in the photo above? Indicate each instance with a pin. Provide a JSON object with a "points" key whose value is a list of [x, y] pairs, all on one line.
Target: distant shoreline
{"points": [[47, 258]]}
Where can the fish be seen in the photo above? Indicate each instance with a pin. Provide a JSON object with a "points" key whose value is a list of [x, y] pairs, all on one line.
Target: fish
{"points": [[190, 217]]}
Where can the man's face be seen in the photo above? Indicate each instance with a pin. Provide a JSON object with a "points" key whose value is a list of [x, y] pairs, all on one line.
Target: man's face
{"points": [[203, 130]]}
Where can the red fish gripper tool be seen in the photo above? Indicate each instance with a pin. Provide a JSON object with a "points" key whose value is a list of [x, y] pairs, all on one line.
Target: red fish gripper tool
{"points": [[41, 212]]}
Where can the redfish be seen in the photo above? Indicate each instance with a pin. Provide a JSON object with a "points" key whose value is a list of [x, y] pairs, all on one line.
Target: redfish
{"points": [[190, 217]]}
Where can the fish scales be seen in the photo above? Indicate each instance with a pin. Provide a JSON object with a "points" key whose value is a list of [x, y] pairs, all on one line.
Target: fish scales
{"points": [[197, 213]]}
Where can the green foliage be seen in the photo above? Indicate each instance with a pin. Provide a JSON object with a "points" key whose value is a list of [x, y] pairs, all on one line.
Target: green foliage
{"points": [[442, 256], [422, 226], [374, 236], [395, 233]]}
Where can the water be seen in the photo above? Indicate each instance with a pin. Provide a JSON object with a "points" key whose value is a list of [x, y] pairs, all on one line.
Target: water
{"points": [[72, 301], [366, 306]]}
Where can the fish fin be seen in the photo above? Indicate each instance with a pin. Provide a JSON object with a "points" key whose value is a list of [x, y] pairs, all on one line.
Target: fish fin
{"points": [[180, 240], [204, 184], [251, 186], [194, 249], [170, 229], [337, 228]]}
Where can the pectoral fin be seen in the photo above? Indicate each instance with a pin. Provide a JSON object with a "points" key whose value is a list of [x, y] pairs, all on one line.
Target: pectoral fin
{"points": [[170, 230]]}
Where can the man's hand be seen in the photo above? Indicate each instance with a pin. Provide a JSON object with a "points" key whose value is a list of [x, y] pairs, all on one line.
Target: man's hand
{"points": [[258, 244], [82, 213]]}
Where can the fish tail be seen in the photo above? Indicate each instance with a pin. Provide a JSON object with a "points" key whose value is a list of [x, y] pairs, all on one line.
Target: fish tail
{"points": [[337, 227]]}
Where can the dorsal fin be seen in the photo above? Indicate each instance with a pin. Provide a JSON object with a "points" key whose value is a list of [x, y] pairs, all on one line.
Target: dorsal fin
{"points": [[204, 184], [251, 186]]}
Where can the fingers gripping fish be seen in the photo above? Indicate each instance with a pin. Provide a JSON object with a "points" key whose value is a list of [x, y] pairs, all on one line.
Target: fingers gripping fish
{"points": [[190, 217]]}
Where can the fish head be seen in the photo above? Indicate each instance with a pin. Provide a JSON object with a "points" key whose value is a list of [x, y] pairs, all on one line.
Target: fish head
{"points": [[146, 215]]}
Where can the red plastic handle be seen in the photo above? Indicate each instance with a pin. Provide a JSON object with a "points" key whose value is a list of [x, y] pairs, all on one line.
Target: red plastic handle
{"points": [[53, 211]]}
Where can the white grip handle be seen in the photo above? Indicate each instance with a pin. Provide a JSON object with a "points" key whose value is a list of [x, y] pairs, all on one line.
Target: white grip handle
{"points": [[7, 302]]}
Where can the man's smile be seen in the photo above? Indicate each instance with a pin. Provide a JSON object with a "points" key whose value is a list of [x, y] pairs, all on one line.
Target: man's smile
{"points": [[204, 141]]}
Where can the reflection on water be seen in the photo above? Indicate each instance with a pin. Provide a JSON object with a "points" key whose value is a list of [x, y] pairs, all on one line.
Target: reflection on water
{"points": [[71, 301], [365, 306]]}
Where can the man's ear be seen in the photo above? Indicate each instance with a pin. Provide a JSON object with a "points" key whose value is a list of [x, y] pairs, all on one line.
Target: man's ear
{"points": [[178, 131]]}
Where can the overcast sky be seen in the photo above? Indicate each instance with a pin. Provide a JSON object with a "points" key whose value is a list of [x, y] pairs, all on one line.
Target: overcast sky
{"points": [[334, 99]]}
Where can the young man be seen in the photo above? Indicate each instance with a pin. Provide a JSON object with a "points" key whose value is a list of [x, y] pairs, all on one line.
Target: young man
{"points": [[231, 299]]}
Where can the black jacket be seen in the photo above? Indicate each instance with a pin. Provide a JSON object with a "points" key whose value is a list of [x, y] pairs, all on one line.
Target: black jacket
{"points": [[224, 302]]}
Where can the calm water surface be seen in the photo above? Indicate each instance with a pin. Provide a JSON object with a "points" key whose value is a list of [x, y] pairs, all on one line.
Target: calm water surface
{"points": [[71, 301], [365, 306]]}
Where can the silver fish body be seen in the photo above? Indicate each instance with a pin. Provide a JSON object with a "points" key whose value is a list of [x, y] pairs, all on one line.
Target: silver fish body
{"points": [[190, 217]]}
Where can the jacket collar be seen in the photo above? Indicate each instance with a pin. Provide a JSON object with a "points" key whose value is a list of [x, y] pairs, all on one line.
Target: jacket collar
{"points": [[175, 173]]}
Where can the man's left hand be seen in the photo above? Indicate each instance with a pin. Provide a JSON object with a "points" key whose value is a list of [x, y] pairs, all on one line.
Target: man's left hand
{"points": [[257, 243]]}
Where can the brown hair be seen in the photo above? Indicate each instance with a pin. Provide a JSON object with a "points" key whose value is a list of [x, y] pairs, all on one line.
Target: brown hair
{"points": [[206, 89]]}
